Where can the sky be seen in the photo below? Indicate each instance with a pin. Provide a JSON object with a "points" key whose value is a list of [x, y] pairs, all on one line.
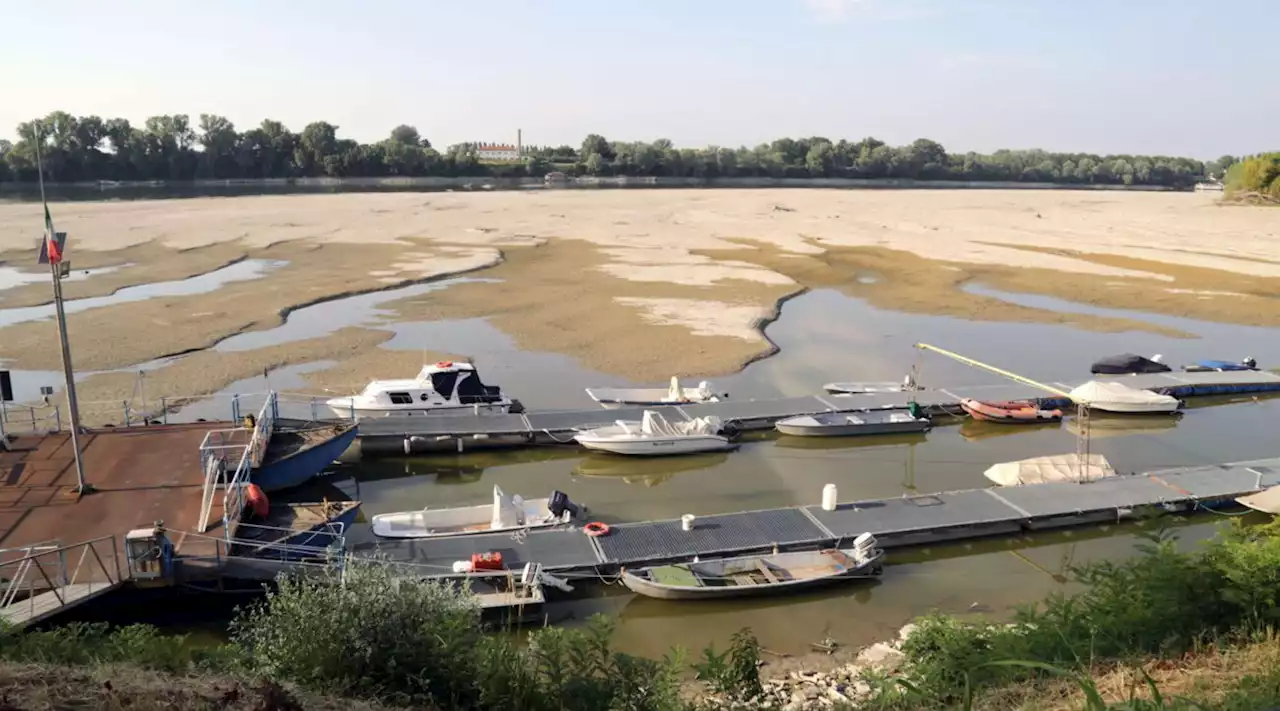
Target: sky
{"points": [[1171, 77]]}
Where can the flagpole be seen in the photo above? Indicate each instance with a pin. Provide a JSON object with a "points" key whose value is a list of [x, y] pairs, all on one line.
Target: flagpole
{"points": [[82, 487]]}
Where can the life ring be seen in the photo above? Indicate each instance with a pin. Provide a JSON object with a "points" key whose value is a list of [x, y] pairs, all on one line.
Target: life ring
{"points": [[595, 529], [444, 364]]}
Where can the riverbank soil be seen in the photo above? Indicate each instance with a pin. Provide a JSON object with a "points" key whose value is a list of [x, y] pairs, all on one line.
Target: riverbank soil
{"points": [[640, 284]]}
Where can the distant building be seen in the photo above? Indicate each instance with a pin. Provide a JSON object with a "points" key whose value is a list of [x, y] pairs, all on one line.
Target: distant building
{"points": [[497, 151], [1209, 186], [501, 151]]}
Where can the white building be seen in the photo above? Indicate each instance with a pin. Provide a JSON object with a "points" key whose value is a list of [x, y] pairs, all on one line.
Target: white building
{"points": [[497, 151]]}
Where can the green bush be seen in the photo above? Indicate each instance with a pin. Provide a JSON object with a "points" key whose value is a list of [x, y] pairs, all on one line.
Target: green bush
{"points": [[1162, 602], [1255, 176], [405, 641]]}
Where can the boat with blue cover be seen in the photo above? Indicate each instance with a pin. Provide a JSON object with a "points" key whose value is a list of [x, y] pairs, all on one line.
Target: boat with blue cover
{"points": [[1220, 365]]}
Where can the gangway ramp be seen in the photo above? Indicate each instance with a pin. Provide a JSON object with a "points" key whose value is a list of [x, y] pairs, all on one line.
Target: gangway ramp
{"points": [[46, 580]]}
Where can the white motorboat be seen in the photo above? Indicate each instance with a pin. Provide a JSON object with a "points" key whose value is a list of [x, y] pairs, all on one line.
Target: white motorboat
{"points": [[1112, 396], [651, 397], [445, 388], [655, 435], [504, 514], [1054, 468]]}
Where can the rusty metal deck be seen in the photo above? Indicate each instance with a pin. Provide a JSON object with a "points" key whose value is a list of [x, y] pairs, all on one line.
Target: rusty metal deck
{"points": [[140, 475]]}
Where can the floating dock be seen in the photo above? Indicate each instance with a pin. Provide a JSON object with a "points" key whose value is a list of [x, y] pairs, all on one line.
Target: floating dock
{"points": [[408, 435], [896, 522]]}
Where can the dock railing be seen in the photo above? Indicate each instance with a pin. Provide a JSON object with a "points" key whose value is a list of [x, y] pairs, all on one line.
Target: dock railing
{"points": [[229, 464], [51, 568]]}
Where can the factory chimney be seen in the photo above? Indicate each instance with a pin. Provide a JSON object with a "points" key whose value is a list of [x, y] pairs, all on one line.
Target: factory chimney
{"points": [[519, 145]]}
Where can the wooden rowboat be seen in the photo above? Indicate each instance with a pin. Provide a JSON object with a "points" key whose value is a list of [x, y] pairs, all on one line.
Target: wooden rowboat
{"points": [[1010, 412], [756, 574]]}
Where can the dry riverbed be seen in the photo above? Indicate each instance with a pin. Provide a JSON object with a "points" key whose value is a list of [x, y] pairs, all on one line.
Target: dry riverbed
{"points": [[642, 284]]}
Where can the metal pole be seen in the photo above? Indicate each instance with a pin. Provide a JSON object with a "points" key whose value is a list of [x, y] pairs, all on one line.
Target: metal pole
{"points": [[82, 487]]}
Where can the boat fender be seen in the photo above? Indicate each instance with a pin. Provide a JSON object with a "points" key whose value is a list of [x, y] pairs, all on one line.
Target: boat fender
{"points": [[596, 529], [257, 500], [730, 431]]}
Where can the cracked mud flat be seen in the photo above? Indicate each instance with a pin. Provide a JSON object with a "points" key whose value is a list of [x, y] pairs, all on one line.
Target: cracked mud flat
{"points": [[642, 284]]}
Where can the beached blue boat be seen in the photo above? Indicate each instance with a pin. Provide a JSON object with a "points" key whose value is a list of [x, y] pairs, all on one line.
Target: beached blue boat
{"points": [[296, 455]]}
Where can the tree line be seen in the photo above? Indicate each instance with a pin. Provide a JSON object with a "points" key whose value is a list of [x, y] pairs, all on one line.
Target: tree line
{"points": [[89, 148]]}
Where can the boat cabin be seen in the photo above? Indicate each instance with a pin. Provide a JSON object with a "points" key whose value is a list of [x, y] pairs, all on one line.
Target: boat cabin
{"points": [[443, 383]]}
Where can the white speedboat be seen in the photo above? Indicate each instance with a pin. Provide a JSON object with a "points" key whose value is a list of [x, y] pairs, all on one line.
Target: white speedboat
{"points": [[650, 397], [445, 388], [504, 514], [908, 384], [655, 435], [1111, 396]]}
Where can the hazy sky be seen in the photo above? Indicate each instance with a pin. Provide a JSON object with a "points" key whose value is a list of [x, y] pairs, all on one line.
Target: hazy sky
{"points": [[1184, 77]]}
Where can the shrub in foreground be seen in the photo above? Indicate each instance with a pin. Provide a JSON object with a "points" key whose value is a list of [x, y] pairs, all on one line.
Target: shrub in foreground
{"points": [[1162, 602]]}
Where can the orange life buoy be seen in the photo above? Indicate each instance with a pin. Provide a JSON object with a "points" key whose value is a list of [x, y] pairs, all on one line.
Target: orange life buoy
{"points": [[444, 364], [595, 528], [257, 500]]}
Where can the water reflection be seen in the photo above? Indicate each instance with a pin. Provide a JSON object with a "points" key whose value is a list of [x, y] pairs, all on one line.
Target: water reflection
{"points": [[648, 472]]}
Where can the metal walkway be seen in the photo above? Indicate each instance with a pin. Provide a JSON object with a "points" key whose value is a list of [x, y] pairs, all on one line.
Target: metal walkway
{"points": [[459, 433], [39, 581], [903, 521]]}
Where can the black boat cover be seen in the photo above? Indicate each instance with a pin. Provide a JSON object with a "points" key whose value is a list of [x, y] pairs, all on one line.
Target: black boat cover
{"points": [[1128, 363]]}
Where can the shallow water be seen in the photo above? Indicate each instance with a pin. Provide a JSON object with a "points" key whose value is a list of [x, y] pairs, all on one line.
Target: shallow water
{"points": [[245, 270], [825, 336], [11, 277]]}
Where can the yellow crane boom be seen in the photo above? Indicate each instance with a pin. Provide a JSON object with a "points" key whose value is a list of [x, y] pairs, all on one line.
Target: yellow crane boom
{"points": [[998, 371]]}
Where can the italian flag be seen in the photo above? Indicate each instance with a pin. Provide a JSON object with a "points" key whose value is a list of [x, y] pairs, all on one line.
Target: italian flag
{"points": [[51, 238]]}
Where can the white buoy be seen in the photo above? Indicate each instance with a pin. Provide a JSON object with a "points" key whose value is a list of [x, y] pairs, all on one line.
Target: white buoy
{"points": [[462, 566], [829, 497], [686, 522]]}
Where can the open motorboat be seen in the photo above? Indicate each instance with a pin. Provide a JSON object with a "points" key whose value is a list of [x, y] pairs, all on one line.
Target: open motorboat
{"points": [[445, 388], [756, 574], [844, 424], [651, 397], [1127, 364], [1020, 412], [908, 384], [504, 514], [1112, 396], [655, 435]]}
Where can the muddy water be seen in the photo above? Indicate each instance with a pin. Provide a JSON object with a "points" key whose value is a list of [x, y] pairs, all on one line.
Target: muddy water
{"points": [[826, 336]]}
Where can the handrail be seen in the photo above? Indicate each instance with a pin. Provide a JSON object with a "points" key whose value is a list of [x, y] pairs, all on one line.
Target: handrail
{"points": [[23, 580]]}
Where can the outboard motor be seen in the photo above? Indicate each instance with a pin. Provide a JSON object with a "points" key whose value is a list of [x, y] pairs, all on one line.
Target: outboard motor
{"points": [[559, 503], [1250, 363]]}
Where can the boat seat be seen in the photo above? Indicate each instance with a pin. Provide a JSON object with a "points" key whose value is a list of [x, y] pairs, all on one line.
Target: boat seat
{"points": [[768, 574]]}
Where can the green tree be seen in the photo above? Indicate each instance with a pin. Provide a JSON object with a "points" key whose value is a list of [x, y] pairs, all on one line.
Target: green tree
{"points": [[408, 135], [597, 145]]}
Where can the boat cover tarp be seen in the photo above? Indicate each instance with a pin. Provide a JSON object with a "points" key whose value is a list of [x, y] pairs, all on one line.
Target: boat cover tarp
{"points": [[1224, 365], [655, 425], [1266, 501], [1128, 363], [1055, 468], [1110, 395]]}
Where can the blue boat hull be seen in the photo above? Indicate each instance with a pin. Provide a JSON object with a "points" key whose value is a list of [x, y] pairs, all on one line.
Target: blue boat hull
{"points": [[304, 465]]}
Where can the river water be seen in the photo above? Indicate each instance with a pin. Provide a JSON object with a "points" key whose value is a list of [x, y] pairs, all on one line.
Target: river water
{"points": [[826, 336]]}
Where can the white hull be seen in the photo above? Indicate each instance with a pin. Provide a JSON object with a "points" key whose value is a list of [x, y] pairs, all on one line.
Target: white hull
{"points": [[1125, 408], [650, 397], [861, 388], [657, 446], [464, 521], [347, 412]]}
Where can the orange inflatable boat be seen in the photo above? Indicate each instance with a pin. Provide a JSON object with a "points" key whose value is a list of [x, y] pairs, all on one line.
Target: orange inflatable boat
{"points": [[1015, 412]]}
